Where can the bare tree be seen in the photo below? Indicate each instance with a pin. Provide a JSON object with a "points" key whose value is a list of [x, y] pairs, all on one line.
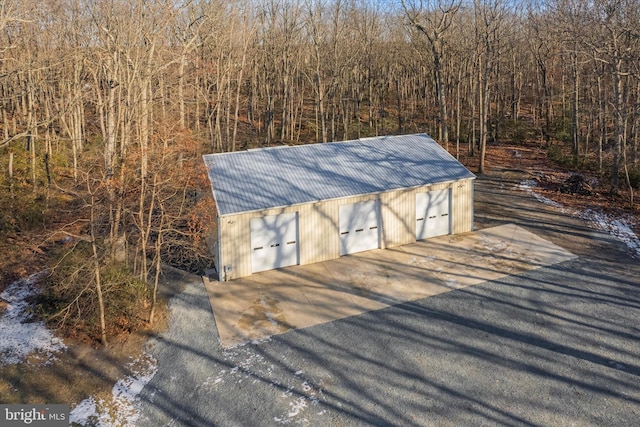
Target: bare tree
{"points": [[488, 16], [433, 18]]}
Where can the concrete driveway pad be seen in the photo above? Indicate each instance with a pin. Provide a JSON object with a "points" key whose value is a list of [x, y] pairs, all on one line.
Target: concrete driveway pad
{"points": [[274, 302]]}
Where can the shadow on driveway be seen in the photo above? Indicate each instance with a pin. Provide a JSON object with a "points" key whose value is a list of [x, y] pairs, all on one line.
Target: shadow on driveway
{"points": [[552, 346]]}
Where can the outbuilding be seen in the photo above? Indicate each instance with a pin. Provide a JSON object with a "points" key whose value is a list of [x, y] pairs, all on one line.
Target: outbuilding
{"points": [[289, 205]]}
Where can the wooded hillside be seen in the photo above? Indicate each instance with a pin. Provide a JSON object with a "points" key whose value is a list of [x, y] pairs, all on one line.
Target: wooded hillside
{"points": [[107, 106]]}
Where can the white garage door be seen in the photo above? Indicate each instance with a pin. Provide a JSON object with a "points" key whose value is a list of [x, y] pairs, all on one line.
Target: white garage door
{"points": [[274, 242], [359, 227], [432, 214]]}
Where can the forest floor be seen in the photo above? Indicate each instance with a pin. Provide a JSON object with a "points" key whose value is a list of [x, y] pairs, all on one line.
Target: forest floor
{"points": [[83, 369], [556, 185], [36, 366]]}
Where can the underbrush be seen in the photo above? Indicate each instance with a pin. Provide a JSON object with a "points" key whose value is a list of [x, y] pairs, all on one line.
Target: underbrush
{"points": [[634, 177], [69, 301], [560, 156]]}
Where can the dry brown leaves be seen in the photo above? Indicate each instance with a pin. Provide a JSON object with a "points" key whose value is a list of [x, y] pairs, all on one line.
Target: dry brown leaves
{"points": [[531, 159]]}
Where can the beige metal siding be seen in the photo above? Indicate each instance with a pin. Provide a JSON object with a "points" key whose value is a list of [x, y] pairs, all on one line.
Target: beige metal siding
{"points": [[462, 206], [235, 246], [319, 237], [398, 226]]}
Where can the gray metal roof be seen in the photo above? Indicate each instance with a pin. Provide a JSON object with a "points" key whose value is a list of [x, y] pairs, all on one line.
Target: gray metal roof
{"points": [[264, 178]]}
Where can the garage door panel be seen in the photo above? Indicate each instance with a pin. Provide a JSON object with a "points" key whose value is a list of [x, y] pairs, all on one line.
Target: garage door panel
{"points": [[274, 242], [433, 214], [359, 227]]}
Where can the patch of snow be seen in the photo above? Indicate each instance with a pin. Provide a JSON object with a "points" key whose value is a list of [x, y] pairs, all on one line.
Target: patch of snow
{"points": [[421, 260], [298, 403], [85, 412], [19, 334], [494, 245], [247, 364], [256, 341], [296, 406], [122, 408], [529, 185], [452, 283], [270, 316], [617, 227]]}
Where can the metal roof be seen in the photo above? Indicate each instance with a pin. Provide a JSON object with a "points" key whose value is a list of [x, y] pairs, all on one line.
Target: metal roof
{"points": [[263, 178]]}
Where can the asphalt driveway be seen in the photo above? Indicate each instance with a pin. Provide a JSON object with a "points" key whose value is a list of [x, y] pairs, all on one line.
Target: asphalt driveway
{"points": [[553, 346]]}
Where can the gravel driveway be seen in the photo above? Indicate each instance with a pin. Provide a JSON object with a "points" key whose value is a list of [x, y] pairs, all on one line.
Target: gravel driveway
{"points": [[553, 346]]}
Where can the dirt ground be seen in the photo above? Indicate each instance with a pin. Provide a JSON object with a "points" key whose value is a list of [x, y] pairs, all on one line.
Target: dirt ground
{"points": [[84, 370], [530, 162]]}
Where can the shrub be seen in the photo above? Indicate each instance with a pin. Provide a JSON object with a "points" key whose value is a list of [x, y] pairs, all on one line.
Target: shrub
{"points": [[634, 177], [563, 135], [69, 300], [557, 155]]}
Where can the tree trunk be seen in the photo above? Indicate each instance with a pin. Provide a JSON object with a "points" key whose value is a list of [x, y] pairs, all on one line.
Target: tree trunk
{"points": [[483, 101], [443, 131], [619, 123], [97, 276], [236, 113], [575, 136], [602, 126], [158, 267], [11, 174]]}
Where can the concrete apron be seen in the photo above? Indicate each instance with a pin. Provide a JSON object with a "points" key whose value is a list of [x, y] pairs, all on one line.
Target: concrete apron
{"points": [[274, 302]]}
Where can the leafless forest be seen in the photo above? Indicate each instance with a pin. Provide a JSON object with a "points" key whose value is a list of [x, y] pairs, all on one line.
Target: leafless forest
{"points": [[107, 106]]}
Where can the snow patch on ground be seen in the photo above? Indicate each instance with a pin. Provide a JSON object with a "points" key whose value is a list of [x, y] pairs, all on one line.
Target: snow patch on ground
{"points": [[298, 399], [617, 227], [86, 413], [122, 408], [493, 245], [529, 185], [245, 365], [20, 335]]}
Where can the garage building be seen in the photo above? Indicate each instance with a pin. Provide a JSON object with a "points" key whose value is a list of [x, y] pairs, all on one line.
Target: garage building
{"points": [[289, 205]]}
